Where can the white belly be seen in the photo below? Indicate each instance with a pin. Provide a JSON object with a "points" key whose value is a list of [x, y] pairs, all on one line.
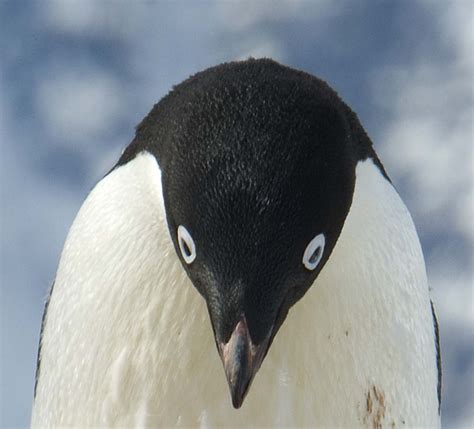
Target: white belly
{"points": [[127, 340]]}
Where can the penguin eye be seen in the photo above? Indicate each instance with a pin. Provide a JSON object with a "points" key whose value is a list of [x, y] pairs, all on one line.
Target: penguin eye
{"points": [[314, 252], [186, 245]]}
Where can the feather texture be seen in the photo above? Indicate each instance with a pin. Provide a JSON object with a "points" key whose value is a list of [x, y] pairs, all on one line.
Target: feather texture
{"points": [[127, 340]]}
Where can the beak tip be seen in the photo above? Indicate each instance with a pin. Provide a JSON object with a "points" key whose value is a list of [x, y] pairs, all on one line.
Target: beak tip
{"points": [[241, 359], [237, 401], [238, 392]]}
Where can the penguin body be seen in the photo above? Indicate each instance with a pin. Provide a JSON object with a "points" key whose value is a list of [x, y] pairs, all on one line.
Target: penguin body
{"points": [[126, 339]]}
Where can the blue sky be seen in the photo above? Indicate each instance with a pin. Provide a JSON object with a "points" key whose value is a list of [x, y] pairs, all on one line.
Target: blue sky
{"points": [[76, 77]]}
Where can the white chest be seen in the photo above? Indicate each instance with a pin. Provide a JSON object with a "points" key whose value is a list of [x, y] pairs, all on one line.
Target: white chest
{"points": [[128, 342]]}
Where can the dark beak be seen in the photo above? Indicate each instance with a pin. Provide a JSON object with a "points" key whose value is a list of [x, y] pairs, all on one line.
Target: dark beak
{"points": [[241, 359]]}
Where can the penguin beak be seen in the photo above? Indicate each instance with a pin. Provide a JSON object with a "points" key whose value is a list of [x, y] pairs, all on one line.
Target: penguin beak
{"points": [[241, 359]]}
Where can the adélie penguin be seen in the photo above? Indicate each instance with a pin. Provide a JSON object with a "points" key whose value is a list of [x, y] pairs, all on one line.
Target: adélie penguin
{"points": [[251, 197]]}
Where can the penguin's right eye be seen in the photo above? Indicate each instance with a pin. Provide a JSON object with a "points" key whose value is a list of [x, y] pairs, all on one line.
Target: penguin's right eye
{"points": [[186, 245], [314, 252]]}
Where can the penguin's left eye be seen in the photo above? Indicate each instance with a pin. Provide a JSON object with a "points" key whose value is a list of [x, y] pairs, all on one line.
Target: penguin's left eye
{"points": [[186, 245], [314, 252]]}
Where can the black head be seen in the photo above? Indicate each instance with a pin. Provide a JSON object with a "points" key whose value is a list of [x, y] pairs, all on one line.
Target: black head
{"points": [[258, 165]]}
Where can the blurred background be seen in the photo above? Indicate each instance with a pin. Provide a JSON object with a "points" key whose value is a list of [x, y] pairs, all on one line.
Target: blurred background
{"points": [[77, 76]]}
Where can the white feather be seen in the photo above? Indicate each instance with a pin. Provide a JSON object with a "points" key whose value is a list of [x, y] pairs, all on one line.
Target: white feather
{"points": [[127, 340]]}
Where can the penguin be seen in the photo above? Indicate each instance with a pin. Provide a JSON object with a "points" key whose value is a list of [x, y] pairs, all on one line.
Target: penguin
{"points": [[250, 215]]}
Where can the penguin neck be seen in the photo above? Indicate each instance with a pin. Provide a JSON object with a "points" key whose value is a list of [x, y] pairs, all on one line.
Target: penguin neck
{"points": [[128, 330]]}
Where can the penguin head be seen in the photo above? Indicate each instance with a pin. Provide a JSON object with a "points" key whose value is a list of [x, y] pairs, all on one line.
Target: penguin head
{"points": [[258, 167]]}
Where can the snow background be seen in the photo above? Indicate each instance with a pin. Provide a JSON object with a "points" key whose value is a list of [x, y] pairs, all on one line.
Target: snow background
{"points": [[77, 76]]}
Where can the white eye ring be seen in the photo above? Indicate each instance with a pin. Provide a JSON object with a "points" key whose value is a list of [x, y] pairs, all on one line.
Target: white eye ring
{"points": [[314, 252], [186, 245]]}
